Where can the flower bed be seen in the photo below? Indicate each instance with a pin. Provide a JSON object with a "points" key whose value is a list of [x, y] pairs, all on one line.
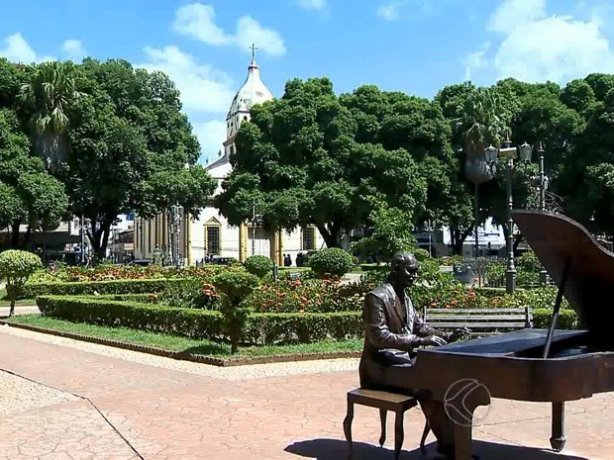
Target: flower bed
{"points": [[123, 272]]}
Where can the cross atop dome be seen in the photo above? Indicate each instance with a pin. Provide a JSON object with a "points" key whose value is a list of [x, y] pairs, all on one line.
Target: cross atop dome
{"points": [[253, 48]]}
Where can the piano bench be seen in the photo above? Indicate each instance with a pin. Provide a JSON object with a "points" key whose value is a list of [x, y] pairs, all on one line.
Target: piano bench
{"points": [[384, 401]]}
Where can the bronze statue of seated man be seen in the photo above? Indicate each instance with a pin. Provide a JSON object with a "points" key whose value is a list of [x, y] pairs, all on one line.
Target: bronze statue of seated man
{"points": [[393, 330]]}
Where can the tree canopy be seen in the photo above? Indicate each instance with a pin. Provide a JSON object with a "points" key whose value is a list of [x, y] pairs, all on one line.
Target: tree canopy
{"points": [[112, 136]]}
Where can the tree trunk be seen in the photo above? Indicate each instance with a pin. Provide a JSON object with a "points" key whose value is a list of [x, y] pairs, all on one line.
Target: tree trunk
{"points": [[15, 234], [27, 236], [12, 309], [457, 238], [330, 233]]}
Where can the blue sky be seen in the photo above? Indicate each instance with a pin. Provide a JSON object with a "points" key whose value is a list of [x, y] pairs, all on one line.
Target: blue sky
{"points": [[416, 46]]}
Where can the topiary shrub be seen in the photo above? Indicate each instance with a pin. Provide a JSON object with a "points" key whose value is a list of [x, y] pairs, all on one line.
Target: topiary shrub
{"points": [[15, 268], [331, 262], [421, 254], [234, 287], [258, 265]]}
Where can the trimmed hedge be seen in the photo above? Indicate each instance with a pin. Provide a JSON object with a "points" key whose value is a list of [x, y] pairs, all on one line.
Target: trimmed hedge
{"points": [[261, 328], [144, 286], [568, 319]]}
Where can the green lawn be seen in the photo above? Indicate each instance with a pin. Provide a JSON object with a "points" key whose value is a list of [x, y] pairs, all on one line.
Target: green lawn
{"points": [[183, 344], [19, 303]]}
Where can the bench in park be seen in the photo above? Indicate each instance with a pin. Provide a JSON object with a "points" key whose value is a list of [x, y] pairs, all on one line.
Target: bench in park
{"points": [[480, 321]]}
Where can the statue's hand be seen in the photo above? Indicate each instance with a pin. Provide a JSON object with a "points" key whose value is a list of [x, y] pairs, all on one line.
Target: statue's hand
{"points": [[434, 340], [459, 334]]}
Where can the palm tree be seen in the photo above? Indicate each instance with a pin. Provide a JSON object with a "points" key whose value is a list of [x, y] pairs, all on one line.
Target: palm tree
{"points": [[48, 95], [484, 122]]}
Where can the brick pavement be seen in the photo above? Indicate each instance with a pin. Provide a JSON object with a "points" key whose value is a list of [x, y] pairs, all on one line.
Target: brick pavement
{"points": [[169, 414]]}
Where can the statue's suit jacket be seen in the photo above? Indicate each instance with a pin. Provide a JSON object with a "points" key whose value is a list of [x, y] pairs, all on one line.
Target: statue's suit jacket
{"points": [[392, 331]]}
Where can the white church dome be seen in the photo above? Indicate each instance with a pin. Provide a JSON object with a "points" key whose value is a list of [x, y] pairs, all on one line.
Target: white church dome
{"points": [[252, 92]]}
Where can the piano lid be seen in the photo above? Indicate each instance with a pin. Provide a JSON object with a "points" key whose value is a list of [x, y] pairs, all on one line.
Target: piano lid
{"points": [[590, 283]]}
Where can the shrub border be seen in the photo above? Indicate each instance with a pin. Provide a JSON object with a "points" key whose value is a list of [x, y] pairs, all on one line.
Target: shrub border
{"points": [[183, 356]]}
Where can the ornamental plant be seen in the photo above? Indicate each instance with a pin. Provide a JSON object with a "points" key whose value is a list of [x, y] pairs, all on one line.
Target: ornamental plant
{"points": [[258, 265], [331, 262], [234, 286], [15, 269]]}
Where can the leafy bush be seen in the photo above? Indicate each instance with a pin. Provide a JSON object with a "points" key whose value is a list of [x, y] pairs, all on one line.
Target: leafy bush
{"points": [[543, 316], [15, 268], [123, 272], [260, 328], [331, 262], [258, 265], [421, 254], [191, 293], [32, 290], [234, 287], [302, 295], [188, 322], [529, 262]]}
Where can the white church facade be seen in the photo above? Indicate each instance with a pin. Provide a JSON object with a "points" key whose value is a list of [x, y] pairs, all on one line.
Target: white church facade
{"points": [[211, 234]]}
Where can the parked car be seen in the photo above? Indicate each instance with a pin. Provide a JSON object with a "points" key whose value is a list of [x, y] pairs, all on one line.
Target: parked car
{"points": [[223, 260]]}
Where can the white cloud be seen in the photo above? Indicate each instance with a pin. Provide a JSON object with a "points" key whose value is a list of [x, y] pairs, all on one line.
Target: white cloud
{"points": [[203, 88], [74, 50], [559, 49], [389, 11], [312, 4], [513, 14], [211, 134], [250, 31], [198, 21], [537, 46], [476, 60], [17, 49]]}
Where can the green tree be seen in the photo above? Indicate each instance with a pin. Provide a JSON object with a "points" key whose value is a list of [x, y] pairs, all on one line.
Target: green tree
{"points": [[391, 233], [133, 149], [28, 194], [299, 162], [235, 286], [47, 95], [15, 269]]}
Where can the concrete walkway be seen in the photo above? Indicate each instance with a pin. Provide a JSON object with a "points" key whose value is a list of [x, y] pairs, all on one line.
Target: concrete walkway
{"points": [[62, 399], [20, 310]]}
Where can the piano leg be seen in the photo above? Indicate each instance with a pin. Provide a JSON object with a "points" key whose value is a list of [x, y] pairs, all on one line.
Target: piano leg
{"points": [[557, 441], [462, 442]]}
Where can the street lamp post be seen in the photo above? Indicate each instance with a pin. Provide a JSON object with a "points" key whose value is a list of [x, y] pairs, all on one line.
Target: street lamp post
{"points": [[176, 216], [256, 218], [430, 229], [543, 185], [82, 239], [480, 168], [509, 154], [543, 180]]}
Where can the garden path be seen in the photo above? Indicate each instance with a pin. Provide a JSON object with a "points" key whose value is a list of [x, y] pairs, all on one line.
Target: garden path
{"points": [[63, 399]]}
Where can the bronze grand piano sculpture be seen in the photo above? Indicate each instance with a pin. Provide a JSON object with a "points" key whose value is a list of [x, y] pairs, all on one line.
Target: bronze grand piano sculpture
{"points": [[533, 364]]}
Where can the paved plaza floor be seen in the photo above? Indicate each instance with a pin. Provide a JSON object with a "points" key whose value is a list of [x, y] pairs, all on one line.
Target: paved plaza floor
{"points": [[63, 399]]}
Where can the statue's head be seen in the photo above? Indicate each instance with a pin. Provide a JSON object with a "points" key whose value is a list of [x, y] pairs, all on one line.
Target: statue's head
{"points": [[403, 270]]}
